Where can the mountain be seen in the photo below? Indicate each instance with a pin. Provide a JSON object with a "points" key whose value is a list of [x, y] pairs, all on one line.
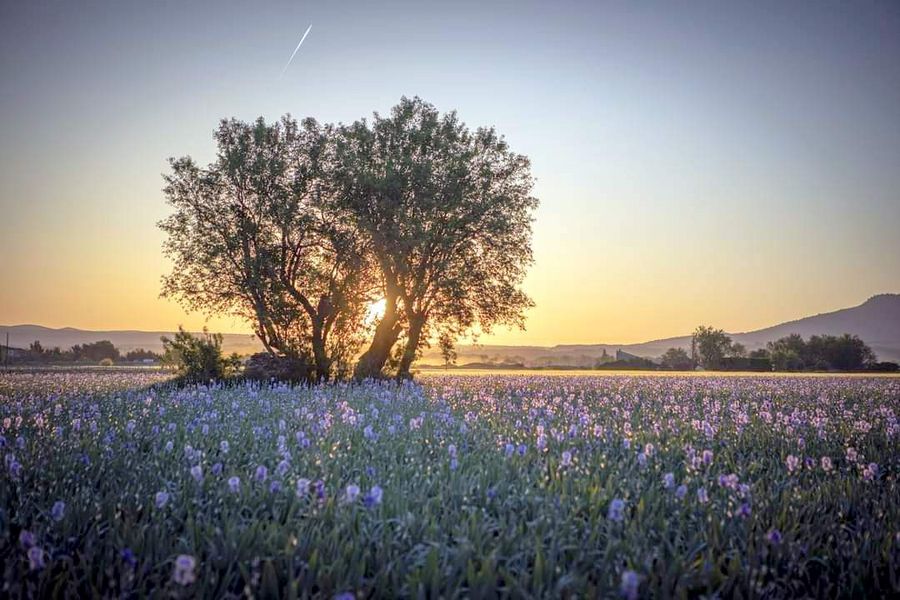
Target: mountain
{"points": [[20, 336], [876, 321]]}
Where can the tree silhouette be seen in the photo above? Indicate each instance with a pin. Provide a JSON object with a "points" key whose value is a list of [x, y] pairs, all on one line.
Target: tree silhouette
{"points": [[447, 215], [256, 234]]}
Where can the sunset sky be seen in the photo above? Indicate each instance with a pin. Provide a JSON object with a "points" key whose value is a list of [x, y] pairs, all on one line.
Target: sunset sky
{"points": [[696, 162]]}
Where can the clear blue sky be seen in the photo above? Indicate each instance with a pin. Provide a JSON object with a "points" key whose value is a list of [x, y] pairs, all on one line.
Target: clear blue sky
{"points": [[696, 162]]}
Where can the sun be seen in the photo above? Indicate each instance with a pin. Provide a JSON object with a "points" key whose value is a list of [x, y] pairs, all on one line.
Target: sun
{"points": [[375, 310]]}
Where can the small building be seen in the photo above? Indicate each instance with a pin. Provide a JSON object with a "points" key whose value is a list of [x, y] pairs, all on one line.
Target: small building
{"points": [[12, 353]]}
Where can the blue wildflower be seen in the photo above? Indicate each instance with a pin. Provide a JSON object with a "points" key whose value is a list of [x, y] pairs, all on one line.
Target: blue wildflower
{"points": [[128, 558], [669, 481], [352, 492], [629, 585], [374, 496], [35, 558], [616, 510]]}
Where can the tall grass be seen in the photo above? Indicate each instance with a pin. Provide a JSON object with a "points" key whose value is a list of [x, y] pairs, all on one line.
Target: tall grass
{"points": [[518, 486]]}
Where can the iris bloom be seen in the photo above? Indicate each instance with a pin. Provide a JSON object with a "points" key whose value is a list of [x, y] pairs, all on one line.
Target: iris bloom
{"points": [[616, 510], [184, 570], [629, 585]]}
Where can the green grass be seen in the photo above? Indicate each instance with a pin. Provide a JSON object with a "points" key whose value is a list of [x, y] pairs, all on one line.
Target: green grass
{"points": [[490, 525]]}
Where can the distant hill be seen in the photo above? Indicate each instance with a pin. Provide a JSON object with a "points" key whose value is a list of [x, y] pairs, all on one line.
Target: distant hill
{"points": [[876, 321], [22, 335]]}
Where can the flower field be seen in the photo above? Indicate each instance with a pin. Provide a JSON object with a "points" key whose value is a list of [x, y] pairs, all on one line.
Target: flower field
{"points": [[116, 484]]}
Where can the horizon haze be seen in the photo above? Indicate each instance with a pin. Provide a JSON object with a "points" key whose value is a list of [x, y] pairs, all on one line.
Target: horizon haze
{"points": [[876, 321]]}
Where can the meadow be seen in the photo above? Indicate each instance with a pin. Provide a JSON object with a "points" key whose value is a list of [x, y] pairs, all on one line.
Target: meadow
{"points": [[119, 484]]}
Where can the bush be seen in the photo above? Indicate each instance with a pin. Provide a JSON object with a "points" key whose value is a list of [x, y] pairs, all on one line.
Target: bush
{"points": [[266, 367], [106, 362], [885, 367], [198, 359]]}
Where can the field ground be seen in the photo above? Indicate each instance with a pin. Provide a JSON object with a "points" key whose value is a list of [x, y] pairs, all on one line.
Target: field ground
{"points": [[531, 484]]}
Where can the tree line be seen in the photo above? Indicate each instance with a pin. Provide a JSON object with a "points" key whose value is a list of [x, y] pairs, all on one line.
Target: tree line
{"points": [[713, 349], [300, 228], [89, 353]]}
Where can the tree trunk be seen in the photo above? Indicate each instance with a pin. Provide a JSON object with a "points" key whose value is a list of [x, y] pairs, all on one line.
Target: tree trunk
{"points": [[320, 355], [416, 323], [386, 333]]}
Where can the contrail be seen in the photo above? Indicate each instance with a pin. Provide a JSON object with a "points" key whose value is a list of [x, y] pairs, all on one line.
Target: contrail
{"points": [[295, 50]]}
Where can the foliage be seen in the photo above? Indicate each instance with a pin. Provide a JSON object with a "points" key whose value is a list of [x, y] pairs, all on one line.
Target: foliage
{"points": [[713, 345], [884, 367], [94, 352], [519, 486], [140, 355], [263, 366], [446, 212], [298, 228], [258, 234], [788, 352], [198, 358], [448, 350], [821, 352], [677, 359], [716, 350]]}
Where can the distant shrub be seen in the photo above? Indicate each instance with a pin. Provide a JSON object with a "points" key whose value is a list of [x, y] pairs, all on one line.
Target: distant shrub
{"points": [[884, 367], [106, 362], [198, 359]]}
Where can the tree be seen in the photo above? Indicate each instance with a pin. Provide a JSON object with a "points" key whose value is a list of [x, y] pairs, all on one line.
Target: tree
{"points": [[737, 350], [712, 345], [821, 352], [140, 354], [258, 234], [95, 352], [36, 350], [677, 359], [448, 352], [198, 359], [844, 353], [788, 353], [446, 213], [850, 353]]}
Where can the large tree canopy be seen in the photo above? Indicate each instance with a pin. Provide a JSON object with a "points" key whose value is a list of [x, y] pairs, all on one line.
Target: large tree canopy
{"points": [[447, 215], [298, 228], [255, 234]]}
